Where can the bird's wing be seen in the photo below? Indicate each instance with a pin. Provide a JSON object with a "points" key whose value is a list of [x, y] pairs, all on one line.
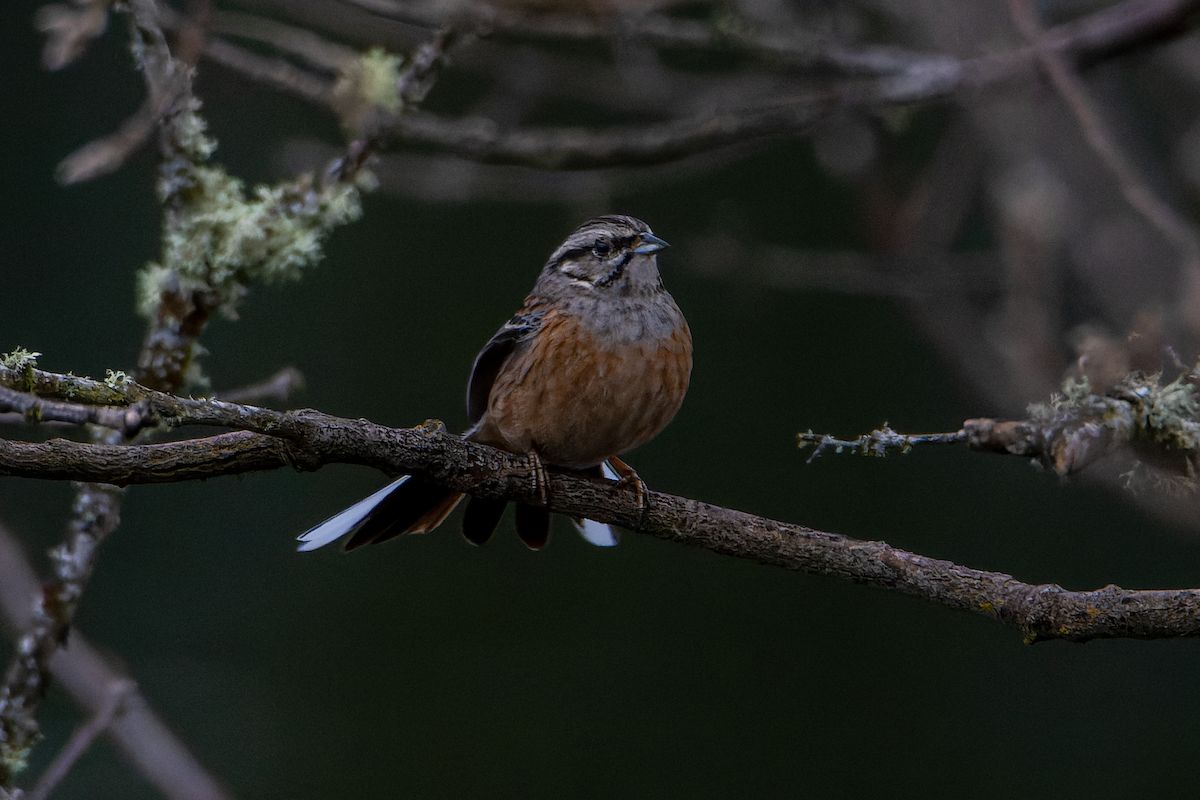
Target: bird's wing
{"points": [[492, 357]]}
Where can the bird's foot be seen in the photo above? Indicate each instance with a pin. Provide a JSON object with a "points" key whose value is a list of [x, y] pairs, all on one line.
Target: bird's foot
{"points": [[541, 479], [627, 476]]}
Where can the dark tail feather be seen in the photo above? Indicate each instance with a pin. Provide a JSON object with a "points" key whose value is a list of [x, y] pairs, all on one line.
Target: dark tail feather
{"points": [[416, 506], [481, 518], [533, 526]]}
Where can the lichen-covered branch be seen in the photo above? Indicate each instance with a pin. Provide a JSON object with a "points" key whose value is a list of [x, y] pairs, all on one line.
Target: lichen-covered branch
{"points": [[36, 410], [96, 508], [875, 443], [1159, 423], [307, 440], [218, 239]]}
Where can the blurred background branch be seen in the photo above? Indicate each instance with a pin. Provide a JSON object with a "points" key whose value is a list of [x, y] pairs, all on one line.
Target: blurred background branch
{"points": [[89, 678]]}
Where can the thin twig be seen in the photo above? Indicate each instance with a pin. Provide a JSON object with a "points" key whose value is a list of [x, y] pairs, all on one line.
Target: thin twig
{"points": [[82, 739], [166, 82], [36, 410], [275, 72], [278, 387], [877, 442], [900, 79], [479, 139], [1137, 191], [302, 42], [1108, 30], [140, 735], [70, 30]]}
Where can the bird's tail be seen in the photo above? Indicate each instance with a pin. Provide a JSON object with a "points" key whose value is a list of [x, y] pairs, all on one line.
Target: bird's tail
{"points": [[407, 505], [533, 523], [413, 505], [482, 516]]}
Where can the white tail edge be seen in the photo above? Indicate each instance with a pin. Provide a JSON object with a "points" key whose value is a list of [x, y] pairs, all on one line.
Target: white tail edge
{"points": [[343, 522], [598, 533]]}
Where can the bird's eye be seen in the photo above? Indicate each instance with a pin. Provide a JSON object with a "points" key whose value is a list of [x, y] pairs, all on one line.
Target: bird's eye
{"points": [[600, 249]]}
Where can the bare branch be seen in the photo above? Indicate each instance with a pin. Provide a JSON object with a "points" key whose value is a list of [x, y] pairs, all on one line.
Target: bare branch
{"points": [[1170, 223], [35, 410], [901, 78], [82, 739], [1105, 32], [275, 72], [167, 82], [1120, 28], [107, 154], [479, 139], [316, 50], [70, 29], [87, 677], [278, 387]]}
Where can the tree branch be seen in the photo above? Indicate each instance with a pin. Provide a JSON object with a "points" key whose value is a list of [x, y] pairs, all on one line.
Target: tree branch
{"points": [[277, 387], [877, 442], [82, 739], [36, 410], [306, 440], [1159, 423], [1138, 192], [899, 78], [87, 677], [909, 79]]}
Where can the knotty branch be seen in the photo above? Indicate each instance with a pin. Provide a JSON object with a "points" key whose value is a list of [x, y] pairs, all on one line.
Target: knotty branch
{"points": [[304, 440]]}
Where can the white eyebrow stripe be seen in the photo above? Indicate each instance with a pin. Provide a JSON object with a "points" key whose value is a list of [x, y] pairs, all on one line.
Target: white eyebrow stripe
{"points": [[575, 276]]}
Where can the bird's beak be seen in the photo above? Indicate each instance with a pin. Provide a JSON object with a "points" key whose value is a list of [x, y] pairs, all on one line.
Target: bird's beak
{"points": [[650, 244]]}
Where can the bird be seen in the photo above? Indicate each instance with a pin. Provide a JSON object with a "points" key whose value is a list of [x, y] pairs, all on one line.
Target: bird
{"points": [[594, 364]]}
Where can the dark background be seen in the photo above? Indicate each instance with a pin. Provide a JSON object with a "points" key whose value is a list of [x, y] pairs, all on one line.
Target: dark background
{"points": [[429, 668]]}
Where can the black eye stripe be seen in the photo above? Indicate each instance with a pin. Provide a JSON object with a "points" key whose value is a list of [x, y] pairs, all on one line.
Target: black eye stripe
{"points": [[617, 247], [617, 270]]}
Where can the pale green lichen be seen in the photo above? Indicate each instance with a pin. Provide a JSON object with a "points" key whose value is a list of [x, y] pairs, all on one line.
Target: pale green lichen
{"points": [[1160, 421], [218, 241], [189, 131], [1170, 412], [19, 358], [219, 238], [116, 380], [1076, 393], [16, 759], [371, 80]]}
